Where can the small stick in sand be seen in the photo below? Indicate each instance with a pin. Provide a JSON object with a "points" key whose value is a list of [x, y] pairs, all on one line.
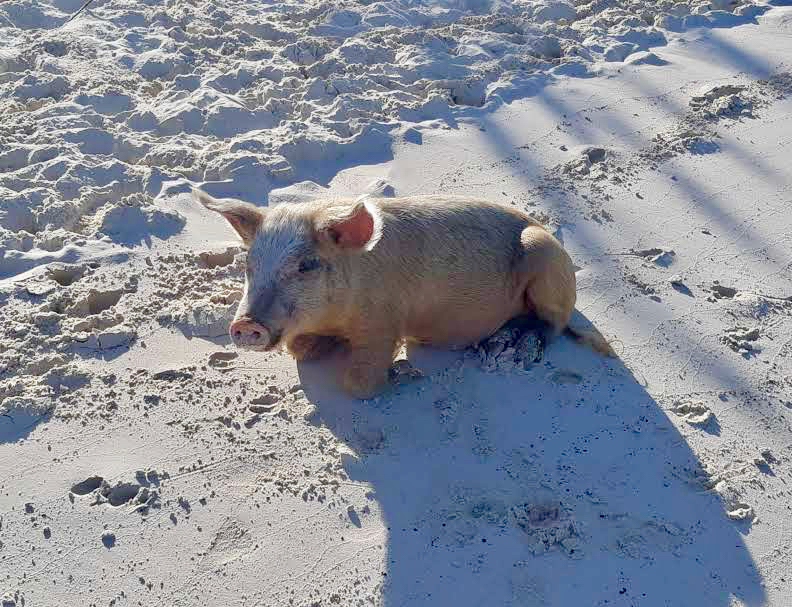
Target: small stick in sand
{"points": [[79, 10]]}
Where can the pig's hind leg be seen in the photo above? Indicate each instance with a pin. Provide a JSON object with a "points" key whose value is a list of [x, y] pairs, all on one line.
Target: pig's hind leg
{"points": [[548, 278], [549, 293]]}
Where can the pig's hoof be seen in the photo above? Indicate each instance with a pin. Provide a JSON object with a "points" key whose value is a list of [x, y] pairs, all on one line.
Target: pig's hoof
{"points": [[312, 347], [402, 372], [364, 382]]}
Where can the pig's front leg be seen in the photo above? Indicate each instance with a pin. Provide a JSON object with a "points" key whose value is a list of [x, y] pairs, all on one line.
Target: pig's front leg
{"points": [[312, 347], [366, 372]]}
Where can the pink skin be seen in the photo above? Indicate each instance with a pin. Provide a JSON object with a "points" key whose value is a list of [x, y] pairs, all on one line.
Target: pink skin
{"points": [[247, 333]]}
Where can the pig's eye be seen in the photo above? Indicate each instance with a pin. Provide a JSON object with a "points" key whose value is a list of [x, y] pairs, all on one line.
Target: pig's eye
{"points": [[306, 265]]}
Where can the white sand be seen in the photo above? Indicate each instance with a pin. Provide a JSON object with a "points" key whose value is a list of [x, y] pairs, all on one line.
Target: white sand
{"points": [[144, 461]]}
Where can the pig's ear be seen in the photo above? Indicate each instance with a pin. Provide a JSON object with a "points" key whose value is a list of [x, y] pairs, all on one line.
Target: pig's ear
{"points": [[243, 217], [358, 227]]}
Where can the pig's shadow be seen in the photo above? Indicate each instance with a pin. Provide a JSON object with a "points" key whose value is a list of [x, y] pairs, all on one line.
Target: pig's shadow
{"points": [[532, 489]]}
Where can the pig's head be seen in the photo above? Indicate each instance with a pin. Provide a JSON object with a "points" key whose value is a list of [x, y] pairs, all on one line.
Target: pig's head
{"points": [[294, 252]]}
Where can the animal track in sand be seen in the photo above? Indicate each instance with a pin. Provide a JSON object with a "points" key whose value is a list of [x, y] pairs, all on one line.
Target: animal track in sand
{"points": [[742, 340], [142, 493], [547, 525], [85, 487], [121, 493], [231, 542], [694, 413]]}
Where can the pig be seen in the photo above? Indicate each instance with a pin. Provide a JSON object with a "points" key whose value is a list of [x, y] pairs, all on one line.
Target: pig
{"points": [[371, 274]]}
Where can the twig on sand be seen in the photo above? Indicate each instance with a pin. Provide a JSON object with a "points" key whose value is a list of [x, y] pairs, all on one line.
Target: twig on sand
{"points": [[79, 10]]}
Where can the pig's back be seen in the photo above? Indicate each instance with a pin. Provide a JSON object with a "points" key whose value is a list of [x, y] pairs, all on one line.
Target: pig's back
{"points": [[432, 226], [452, 262]]}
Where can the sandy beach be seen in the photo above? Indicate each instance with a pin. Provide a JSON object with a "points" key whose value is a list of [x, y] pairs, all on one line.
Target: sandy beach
{"points": [[144, 460]]}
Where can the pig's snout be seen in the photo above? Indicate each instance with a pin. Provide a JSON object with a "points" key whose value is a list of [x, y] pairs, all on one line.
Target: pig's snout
{"points": [[247, 333]]}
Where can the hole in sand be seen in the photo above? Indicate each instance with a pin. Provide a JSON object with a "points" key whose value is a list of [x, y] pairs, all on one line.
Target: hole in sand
{"points": [[214, 259], [596, 155], [65, 275], [89, 484], [123, 493], [99, 301]]}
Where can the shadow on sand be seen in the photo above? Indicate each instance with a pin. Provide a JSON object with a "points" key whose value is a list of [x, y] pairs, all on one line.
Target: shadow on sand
{"points": [[566, 485]]}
